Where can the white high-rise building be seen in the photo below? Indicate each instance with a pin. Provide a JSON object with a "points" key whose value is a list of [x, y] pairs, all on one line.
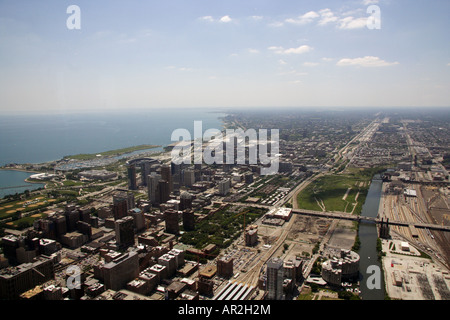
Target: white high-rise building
{"points": [[224, 187]]}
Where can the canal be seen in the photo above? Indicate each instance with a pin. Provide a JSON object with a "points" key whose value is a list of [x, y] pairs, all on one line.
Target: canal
{"points": [[368, 234]]}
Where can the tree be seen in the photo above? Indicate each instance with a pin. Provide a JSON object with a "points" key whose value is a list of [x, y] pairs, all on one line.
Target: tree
{"points": [[316, 248]]}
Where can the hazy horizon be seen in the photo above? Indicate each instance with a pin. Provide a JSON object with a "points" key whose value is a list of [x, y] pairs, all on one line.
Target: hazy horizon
{"points": [[19, 113]]}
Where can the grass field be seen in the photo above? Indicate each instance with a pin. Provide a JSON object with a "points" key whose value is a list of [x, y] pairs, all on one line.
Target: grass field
{"points": [[14, 207], [337, 192]]}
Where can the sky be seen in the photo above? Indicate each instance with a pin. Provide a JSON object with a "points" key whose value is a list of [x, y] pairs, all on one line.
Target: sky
{"points": [[222, 53]]}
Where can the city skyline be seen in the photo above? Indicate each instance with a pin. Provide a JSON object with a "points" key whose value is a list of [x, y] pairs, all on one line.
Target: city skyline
{"points": [[222, 54]]}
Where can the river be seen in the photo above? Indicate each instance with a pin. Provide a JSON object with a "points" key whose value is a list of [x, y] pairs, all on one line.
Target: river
{"points": [[368, 234]]}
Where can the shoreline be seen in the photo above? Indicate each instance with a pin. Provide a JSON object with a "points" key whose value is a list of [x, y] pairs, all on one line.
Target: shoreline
{"points": [[19, 169], [34, 182]]}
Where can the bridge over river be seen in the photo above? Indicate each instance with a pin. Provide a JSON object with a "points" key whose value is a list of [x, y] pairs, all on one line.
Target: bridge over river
{"points": [[348, 216]]}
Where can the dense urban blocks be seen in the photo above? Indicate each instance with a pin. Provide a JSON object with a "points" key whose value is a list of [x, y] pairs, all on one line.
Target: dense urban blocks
{"points": [[149, 228]]}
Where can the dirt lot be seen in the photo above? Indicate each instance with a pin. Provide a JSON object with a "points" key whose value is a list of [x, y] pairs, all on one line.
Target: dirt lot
{"points": [[303, 236], [343, 236]]}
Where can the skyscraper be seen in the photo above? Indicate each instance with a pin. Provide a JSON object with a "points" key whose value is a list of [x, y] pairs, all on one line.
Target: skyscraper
{"points": [[224, 187], [164, 191], [189, 177], [125, 195], [275, 279], [185, 201], [125, 231], [188, 220], [118, 272], [145, 171], [225, 267], [171, 218], [166, 174], [139, 219], [153, 189], [122, 202], [119, 208], [72, 217], [131, 170]]}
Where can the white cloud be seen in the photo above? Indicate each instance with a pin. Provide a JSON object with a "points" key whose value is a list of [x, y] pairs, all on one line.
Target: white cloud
{"points": [[310, 64], [182, 69], [369, 2], [304, 19], [299, 50], [274, 48], [207, 18], [253, 51], [355, 19], [368, 61], [276, 24], [327, 16], [293, 73], [282, 62], [225, 19], [256, 18], [352, 23], [124, 38]]}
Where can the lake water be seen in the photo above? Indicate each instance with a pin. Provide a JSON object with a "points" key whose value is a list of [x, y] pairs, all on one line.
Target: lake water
{"points": [[42, 138], [11, 182]]}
